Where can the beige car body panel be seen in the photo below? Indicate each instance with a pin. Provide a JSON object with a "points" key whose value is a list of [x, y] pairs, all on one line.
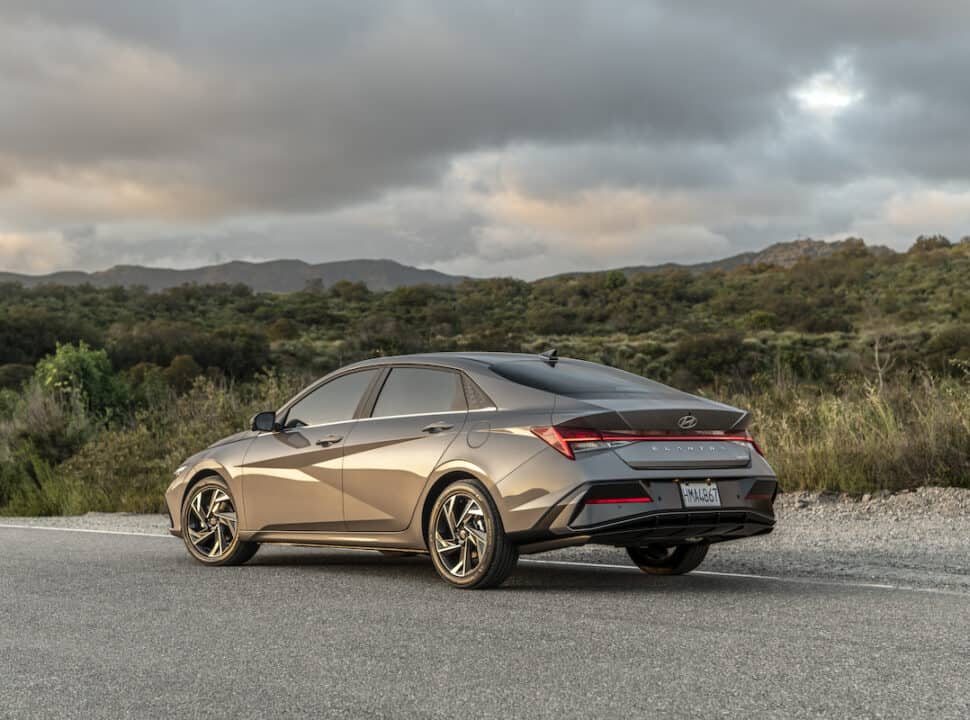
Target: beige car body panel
{"points": [[292, 483]]}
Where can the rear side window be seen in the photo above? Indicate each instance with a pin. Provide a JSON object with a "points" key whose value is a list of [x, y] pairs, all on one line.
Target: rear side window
{"points": [[410, 391], [334, 401], [576, 379]]}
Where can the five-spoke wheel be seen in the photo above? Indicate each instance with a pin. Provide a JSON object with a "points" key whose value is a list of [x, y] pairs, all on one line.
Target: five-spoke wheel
{"points": [[210, 525], [467, 541]]}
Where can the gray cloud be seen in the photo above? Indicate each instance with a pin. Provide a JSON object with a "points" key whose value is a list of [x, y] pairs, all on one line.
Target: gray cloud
{"points": [[475, 136]]}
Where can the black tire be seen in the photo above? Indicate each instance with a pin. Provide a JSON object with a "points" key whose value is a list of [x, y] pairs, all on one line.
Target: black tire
{"points": [[498, 560], [235, 551], [676, 560]]}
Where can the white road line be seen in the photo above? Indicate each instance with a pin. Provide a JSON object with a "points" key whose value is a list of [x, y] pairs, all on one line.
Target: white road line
{"points": [[81, 530], [575, 563], [773, 578]]}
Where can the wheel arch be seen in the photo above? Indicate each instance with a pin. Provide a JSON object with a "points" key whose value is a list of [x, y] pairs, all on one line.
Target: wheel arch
{"points": [[445, 476], [198, 477], [179, 490]]}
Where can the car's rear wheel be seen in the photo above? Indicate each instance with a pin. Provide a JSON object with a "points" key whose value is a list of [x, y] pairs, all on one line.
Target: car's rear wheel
{"points": [[210, 526], [468, 544], [664, 560]]}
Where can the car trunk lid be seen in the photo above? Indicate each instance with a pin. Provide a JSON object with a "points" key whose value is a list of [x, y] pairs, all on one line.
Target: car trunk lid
{"points": [[670, 430], [671, 412]]}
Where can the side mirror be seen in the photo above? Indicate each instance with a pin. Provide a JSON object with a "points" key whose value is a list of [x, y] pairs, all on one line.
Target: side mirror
{"points": [[264, 421]]}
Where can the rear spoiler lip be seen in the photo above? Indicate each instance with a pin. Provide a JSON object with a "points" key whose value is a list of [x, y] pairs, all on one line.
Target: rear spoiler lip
{"points": [[743, 421]]}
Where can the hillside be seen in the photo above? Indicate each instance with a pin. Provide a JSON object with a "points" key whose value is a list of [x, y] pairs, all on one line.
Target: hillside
{"points": [[856, 364], [273, 276], [816, 316], [281, 276], [782, 254]]}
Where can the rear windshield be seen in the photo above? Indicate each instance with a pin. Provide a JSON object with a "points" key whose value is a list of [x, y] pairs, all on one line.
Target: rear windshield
{"points": [[576, 379]]}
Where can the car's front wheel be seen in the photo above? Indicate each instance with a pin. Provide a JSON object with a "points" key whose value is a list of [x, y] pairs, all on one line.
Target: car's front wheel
{"points": [[662, 560], [210, 526], [468, 544]]}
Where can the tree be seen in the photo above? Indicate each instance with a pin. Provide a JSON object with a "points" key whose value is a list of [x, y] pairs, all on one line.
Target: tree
{"points": [[182, 372], [615, 279], [927, 243], [85, 374], [283, 329]]}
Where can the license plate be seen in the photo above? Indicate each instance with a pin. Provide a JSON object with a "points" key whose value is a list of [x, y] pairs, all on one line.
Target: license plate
{"points": [[700, 494]]}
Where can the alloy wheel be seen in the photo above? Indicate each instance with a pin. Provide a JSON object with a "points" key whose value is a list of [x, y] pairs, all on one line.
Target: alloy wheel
{"points": [[461, 535], [211, 522]]}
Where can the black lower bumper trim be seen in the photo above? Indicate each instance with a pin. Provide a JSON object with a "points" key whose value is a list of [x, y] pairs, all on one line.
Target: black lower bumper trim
{"points": [[672, 527]]}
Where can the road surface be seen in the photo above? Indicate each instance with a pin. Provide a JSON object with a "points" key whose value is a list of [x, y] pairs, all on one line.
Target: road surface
{"points": [[94, 624]]}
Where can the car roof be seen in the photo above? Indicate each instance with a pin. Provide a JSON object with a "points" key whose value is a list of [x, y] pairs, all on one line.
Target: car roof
{"points": [[448, 359]]}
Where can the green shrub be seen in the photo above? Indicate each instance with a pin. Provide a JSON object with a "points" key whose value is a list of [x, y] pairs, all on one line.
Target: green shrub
{"points": [[39, 429], [14, 375], [128, 470], [86, 374], [182, 372]]}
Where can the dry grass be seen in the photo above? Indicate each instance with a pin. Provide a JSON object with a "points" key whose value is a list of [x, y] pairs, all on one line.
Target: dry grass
{"points": [[866, 439]]}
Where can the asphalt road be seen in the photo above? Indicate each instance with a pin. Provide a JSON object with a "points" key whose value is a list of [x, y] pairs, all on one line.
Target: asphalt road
{"points": [[110, 625]]}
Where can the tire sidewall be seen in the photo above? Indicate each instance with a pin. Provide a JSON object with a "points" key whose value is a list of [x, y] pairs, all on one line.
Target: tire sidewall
{"points": [[207, 483], [681, 561], [493, 527]]}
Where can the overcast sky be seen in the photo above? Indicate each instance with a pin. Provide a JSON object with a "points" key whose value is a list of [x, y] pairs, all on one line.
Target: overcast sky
{"points": [[518, 138]]}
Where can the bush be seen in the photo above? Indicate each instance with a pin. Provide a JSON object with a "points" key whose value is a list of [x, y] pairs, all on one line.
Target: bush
{"points": [[182, 372], [86, 374], [14, 376], [40, 429], [700, 359], [928, 243], [128, 470], [949, 348]]}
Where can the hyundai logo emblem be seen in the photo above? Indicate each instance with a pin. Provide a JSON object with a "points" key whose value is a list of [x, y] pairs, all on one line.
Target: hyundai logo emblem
{"points": [[687, 422]]}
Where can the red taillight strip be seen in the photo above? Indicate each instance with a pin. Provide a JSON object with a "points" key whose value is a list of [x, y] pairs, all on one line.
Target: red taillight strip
{"points": [[639, 438], [561, 438], [610, 501], [551, 436]]}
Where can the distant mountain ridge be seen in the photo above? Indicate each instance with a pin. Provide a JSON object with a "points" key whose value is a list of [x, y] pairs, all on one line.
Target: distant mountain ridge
{"points": [[282, 276], [783, 254], [271, 276]]}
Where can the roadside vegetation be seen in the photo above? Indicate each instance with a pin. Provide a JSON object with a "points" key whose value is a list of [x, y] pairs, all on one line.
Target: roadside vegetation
{"points": [[856, 365]]}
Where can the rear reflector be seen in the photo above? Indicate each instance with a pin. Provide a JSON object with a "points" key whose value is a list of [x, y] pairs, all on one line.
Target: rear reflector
{"points": [[762, 490], [610, 501]]}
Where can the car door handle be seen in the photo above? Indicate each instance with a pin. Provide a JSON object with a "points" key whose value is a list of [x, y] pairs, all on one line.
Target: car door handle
{"points": [[328, 440], [437, 427]]}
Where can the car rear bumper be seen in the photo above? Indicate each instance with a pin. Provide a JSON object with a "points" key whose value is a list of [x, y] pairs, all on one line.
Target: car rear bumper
{"points": [[746, 511]]}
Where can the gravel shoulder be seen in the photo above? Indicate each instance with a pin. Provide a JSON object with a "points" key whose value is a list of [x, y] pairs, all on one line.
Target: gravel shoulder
{"points": [[918, 539]]}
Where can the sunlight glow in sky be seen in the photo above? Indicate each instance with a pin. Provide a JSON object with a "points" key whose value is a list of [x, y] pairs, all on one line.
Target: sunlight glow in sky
{"points": [[827, 93]]}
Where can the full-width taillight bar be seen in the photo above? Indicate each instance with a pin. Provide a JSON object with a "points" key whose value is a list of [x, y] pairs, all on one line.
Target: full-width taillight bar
{"points": [[564, 438]]}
